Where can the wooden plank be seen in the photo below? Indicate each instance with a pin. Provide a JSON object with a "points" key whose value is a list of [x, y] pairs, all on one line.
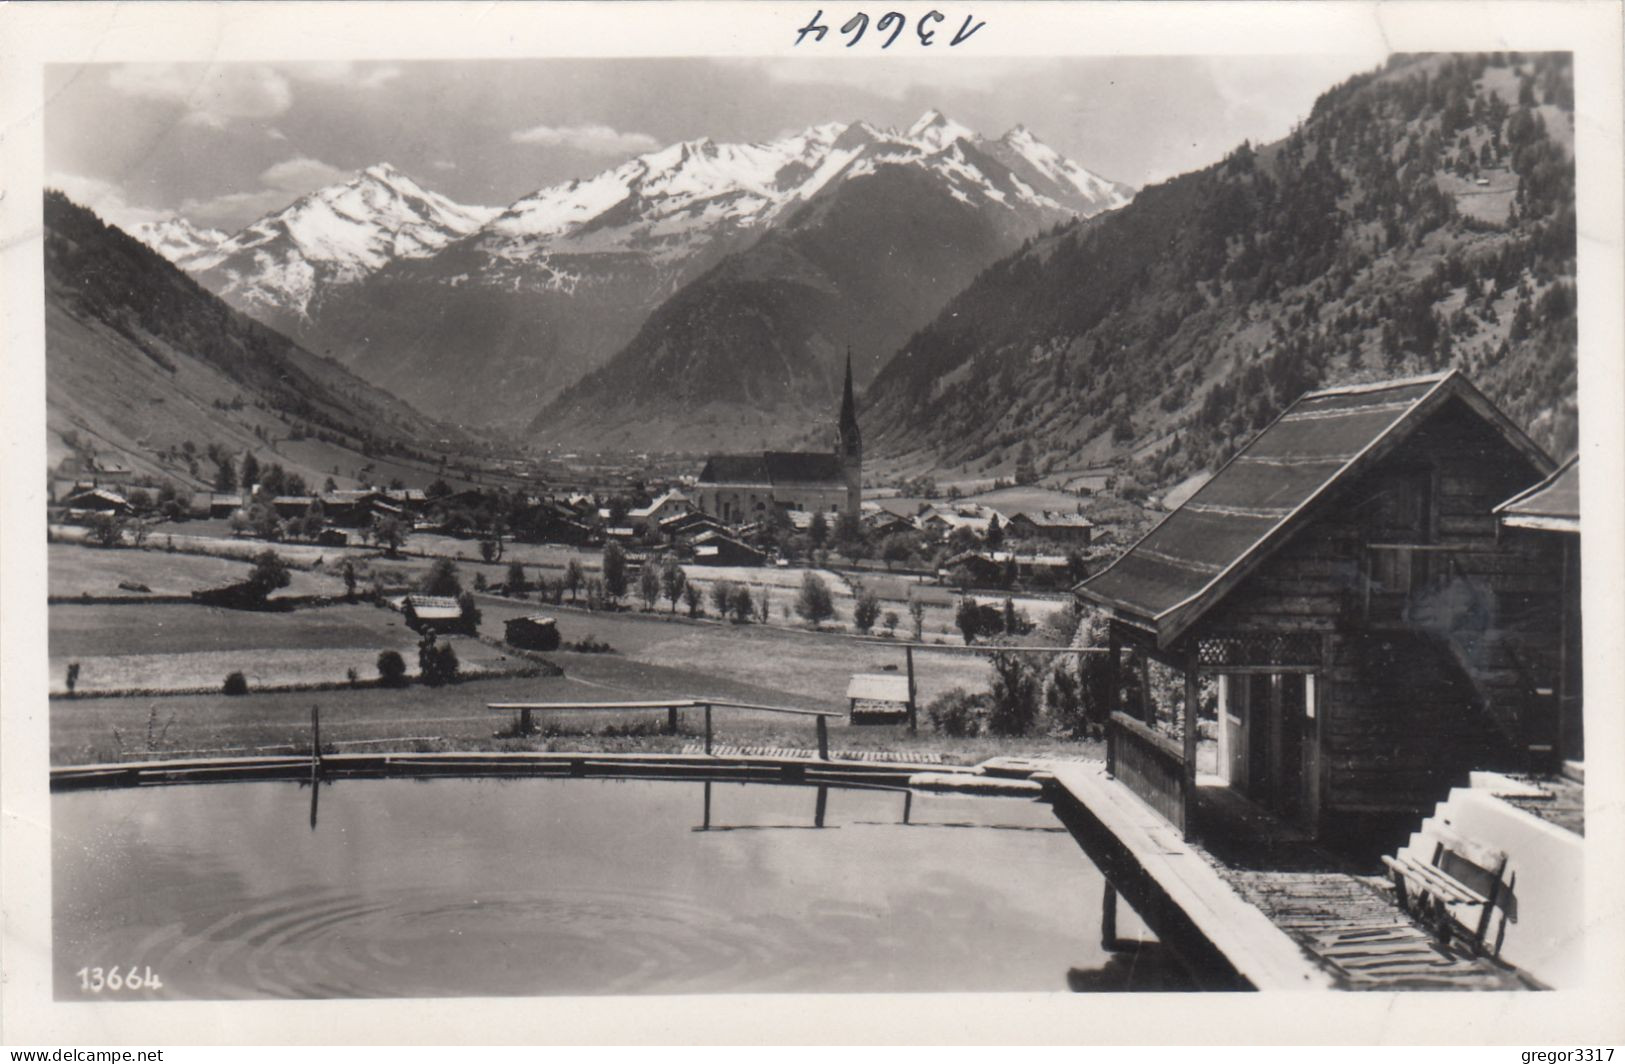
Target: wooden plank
{"points": [[1260, 952]]}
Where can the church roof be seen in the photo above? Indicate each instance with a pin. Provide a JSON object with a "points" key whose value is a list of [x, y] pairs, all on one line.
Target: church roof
{"points": [[773, 467]]}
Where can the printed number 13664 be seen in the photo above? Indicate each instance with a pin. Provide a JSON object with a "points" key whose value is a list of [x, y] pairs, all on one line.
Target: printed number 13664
{"points": [[96, 980]]}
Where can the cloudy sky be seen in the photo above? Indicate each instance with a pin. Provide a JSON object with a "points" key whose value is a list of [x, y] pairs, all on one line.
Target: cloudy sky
{"points": [[224, 144]]}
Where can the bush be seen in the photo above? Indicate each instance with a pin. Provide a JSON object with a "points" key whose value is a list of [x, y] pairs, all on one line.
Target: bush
{"points": [[270, 573], [958, 713], [391, 668], [1014, 696], [587, 644], [437, 662], [442, 579], [236, 684], [741, 604]]}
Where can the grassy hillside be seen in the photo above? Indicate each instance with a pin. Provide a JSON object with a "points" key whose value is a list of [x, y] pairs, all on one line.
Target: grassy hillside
{"points": [[143, 362], [1421, 217]]}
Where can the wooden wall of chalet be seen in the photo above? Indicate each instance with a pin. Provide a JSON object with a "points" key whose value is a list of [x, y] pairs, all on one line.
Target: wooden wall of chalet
{"points": [[1412, 697]]}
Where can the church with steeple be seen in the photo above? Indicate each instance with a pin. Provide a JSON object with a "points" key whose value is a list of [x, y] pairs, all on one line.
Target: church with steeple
{"points": [[738, 489]]}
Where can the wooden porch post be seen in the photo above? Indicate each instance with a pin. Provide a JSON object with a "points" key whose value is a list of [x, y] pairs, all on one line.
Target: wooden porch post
{"points": [[1193, 718], [1114, 659]]}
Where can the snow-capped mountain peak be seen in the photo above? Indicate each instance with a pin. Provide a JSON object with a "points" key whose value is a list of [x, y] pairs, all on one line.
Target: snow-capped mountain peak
{"points": [[177, 239], [935, 131], [338, 234]]}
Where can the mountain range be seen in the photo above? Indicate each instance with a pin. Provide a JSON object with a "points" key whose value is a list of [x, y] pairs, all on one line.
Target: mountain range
{"points": [[482, 316]]}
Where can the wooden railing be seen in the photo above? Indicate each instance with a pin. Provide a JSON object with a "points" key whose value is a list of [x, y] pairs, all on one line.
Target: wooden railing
{"points": [[1149, 764], [524, 724]]}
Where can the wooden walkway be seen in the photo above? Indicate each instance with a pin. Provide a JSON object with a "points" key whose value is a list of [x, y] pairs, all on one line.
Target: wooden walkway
{"points": [[1282, 911], [912, 757]]}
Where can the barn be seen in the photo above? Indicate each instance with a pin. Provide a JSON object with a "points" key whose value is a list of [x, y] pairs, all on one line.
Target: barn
{"points": [[1373, 636]]}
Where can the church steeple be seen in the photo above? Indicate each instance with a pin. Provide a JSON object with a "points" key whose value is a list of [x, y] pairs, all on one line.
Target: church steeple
{"points": [[851, 441], [849, 444]]}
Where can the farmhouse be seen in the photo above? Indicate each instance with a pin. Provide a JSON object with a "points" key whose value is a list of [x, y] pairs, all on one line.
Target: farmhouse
{"points": [[1374, 638], [1070, 528], [739, 488], [715, 548], [96, 500], [672, 504]]}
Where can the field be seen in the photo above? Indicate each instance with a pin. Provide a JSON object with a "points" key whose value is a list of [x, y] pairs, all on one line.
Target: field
{"points": [[178, 646], [80, 570], [655, 657]]}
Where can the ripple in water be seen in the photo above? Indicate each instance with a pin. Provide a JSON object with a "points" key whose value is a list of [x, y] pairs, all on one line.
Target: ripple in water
{"points": [[532, 887]]}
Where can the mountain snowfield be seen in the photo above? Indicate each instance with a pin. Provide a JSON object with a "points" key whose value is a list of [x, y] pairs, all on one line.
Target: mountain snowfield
{"points": [[337, 235], [481, 315], [177, 239]]}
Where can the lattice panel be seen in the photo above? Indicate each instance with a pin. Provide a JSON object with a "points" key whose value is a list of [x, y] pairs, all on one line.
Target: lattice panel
{"points": [[1259, 648]]}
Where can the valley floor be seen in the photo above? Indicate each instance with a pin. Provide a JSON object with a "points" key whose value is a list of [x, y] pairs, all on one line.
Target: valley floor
{"points": [[150, 673]]}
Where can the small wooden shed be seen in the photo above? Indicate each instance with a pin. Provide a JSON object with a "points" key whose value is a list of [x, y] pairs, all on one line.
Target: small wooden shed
{"points": [[1374, 637], [532, 633], [877, 698]]}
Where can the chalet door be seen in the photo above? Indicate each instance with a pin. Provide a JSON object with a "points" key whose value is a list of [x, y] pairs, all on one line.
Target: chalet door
{"points": [[1287, 792]]}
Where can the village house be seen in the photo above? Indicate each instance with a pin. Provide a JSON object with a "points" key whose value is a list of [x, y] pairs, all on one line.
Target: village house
{"points": [[1373, 635], [716, 548], [671, 504], [739, 488], [433, 613], [1073, 529]]}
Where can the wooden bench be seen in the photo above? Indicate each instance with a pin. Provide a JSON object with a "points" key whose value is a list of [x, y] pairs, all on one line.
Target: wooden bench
{"points": [[1461, 875]]}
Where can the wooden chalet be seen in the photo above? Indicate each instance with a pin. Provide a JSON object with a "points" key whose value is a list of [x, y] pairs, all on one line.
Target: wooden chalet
{"points": [[1056, 525], [715, 548], [1551, 510], [433, 613], [1342, 576]]}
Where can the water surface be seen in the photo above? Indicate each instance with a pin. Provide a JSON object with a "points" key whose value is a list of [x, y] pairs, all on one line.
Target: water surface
{"points": [[549, 886]]}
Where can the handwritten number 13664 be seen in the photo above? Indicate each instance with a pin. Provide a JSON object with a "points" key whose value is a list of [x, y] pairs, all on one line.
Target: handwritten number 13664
{"points": [[892, 22]]}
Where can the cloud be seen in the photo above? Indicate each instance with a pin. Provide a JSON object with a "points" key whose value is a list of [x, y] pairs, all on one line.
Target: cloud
{"points": [[593, 138], [895, 78], [106, 198], [361, 76], [212, 95], [302, 174], [280, 184], [443, 164]]}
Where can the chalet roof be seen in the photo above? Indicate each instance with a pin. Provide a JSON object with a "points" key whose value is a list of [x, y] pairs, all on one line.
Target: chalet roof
{"points": [[1194, 556], [102, 495], [1053, 518], [773, 467], [1553, 504], [878, 687], [434, 607]]}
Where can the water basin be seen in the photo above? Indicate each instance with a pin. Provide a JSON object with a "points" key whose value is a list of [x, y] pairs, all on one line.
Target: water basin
{"points": [[530, 886]]}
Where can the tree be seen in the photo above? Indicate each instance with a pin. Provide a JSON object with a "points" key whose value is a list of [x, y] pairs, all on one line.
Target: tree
{"points": [[437, 662], [437, 489], [673, 581], [442, 579], [515, 578], [916, 613], [391, 668], [251, 472], [614, 570], [348, 572], [740, 602], [976, 620], [764, 606], [107, 529], [866, 611], [470, 611], [574, 576], [891, 621], [491, 549], [818, 530], [721, 597], [270, 573], [995, 533], [814, 604], [694, 599], [225, 478], [238, 522], [648, 585], [388, 533]]}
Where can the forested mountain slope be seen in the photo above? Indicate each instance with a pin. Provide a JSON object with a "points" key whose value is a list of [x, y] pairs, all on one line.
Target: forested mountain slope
{"points": [[1421, 217]]}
